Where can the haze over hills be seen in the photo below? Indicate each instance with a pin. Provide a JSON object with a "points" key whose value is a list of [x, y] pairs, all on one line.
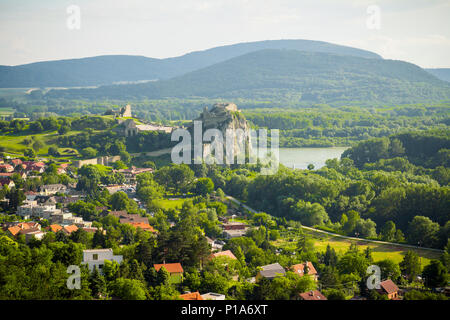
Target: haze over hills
{"points": [[441, 73], [309, 77], [104, 70]]}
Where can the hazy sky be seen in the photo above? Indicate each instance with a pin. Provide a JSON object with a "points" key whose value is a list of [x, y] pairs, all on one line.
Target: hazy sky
{"points": [[417, 31]]}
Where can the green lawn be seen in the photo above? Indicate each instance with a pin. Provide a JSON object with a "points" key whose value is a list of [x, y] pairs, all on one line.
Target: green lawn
{"points": [[6, 111], [13, 143], [170, 204], [379, 251]]}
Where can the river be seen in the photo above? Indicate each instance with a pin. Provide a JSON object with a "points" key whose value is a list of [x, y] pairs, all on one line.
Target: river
{"points": [[300, 158]]}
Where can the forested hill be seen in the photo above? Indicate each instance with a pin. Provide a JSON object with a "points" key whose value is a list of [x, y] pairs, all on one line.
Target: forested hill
{"points": [[289, 74], [441, 73], [103, 70]]}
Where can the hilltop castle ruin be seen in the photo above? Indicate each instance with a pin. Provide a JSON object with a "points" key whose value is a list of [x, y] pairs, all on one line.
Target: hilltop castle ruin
{"points": [[226, 117]]}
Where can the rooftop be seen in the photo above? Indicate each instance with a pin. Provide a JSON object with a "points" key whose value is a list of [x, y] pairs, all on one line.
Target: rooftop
{"points": [[170, 267], [388, 286], [312, 295]]}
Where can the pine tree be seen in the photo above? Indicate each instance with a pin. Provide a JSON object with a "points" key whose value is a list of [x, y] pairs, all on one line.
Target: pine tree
{"points": [[330, 258], [97, 284], [163, 276]]}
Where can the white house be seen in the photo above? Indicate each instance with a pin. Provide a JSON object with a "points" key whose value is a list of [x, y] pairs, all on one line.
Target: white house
{"points": [[230, 234], [97, 257], [59, 218], [51, 189], [31, 208]]}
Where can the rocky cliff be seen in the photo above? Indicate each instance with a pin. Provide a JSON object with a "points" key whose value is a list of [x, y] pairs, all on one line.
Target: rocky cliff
{"points": [[226, 116]]}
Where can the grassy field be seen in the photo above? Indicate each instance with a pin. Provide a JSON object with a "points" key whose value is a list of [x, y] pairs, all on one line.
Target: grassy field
{"points": [[379, 251], [6, 111], [170, 204], [13, 143]]}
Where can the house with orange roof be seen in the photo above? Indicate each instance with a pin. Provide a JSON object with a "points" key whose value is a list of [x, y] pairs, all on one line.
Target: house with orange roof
{"points": [[29, 225], [175, 270], [191, 296], [16, 162], [305, 268], [10, 175], [69, 229], [142, 225], [6, 167], [226, 253], [389, 288], [29, 229], [14, 230], [32, 233], [312, 295], [55, 228]]}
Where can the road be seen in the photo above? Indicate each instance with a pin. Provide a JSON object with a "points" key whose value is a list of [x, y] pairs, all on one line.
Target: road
{"points": [[341, 236], [156, 153]]}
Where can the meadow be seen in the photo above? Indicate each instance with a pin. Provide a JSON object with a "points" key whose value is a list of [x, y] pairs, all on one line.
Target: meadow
{"points": [[380, 252]]}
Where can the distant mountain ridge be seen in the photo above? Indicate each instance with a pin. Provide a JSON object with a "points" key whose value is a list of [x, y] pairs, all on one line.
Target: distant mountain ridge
{"points": [[271, 74], [440, 73], [104, 70]]}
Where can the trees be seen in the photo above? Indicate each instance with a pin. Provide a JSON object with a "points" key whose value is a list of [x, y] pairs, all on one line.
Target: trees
{"points": [[423, 232], [366, 228], [63, 129], [352, 218], [334, 294], [445, 258], [163, 276], [330, 257], [410, 265], [125, 157], [178, 177], [309, 213], [388, 231], [149, 191], [120, 201], [53, 151], [129, 289], [119, 165], [97, 284], [36, 127], [353, 263], [421, 295], [435, 274], [16, 198], [203, 186], [89, 152], [37, 145], [389, 269]]}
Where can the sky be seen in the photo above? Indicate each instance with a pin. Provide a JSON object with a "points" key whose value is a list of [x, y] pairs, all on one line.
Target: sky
{"points": [[417, 31]]}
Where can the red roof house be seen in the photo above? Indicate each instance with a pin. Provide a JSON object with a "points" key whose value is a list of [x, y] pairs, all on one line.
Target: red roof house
{"points": [[389, 288], [299, 269], [312, 295], [191, 296]]}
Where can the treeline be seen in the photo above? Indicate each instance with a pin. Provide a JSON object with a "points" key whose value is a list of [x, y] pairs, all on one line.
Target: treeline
{"points": [[348, 200], [325, 126], [428, 149]]}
